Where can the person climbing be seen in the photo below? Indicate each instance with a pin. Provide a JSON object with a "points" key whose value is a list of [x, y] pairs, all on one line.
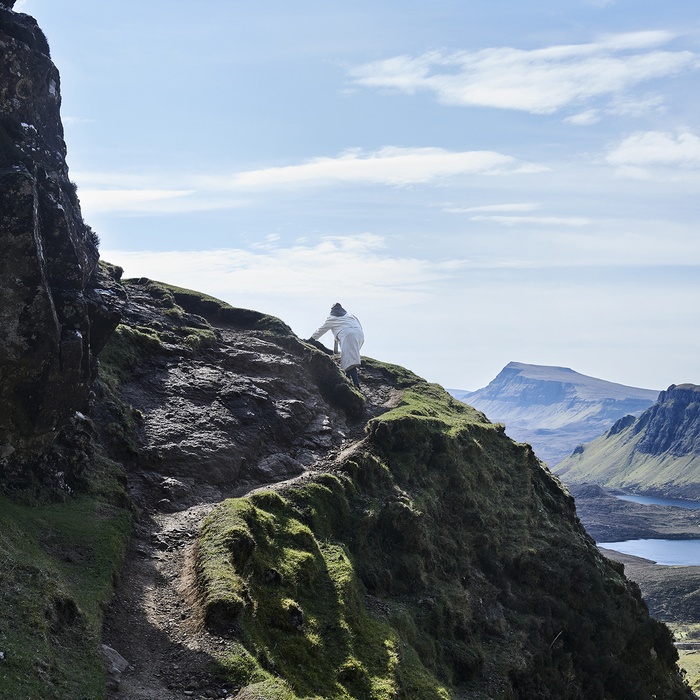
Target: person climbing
{"points": [[347, 331]]}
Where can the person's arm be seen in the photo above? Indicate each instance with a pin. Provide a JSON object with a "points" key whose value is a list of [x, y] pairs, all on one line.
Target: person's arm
{"points": [[327, 326]]}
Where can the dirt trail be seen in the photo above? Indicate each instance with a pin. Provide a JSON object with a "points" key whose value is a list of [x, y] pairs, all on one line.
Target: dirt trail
{"points": [[154, 621]]}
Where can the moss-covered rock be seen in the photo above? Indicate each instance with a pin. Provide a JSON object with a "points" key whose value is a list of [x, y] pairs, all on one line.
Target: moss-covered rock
{"points": [[439, 559]]}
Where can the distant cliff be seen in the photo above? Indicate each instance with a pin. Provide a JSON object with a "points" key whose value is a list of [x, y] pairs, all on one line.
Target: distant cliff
{"points": [[554, 408], [657, 453]]}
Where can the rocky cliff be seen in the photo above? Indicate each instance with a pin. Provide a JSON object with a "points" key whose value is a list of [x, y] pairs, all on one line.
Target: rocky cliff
{"points": [[657, 453], [554, 408], [54, 314], [389, 544], [214, 511]]}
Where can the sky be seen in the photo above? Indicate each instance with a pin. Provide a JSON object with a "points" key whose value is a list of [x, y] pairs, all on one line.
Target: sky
{"points": [[479, 182]]}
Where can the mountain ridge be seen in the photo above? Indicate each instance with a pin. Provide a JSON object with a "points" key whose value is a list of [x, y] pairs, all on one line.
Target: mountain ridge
{"points": [[656, 453], [554, 408]]}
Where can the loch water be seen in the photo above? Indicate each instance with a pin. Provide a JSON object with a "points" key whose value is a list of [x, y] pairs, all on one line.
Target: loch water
{"points": [[666, 552], [649, 501]]}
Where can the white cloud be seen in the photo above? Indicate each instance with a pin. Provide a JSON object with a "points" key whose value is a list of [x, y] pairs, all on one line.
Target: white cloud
{"points": [[537, 220], [94, 202], [648, 149], [351, 265], [70, 121], [392, 166], [627, 106], [146, 193], [586, 118], [540, 81], [515, 206], [389, 165]]}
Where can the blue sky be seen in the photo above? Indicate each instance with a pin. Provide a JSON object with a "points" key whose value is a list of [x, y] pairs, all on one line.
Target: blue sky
{"points": [[479, 182]]}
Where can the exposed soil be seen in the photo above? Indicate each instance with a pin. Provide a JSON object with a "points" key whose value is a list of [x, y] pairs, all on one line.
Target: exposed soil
{"points": [[154, 621]]}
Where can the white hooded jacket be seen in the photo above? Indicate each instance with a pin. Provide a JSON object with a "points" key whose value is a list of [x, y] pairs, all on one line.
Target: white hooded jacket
{"points": [[347, 330]]}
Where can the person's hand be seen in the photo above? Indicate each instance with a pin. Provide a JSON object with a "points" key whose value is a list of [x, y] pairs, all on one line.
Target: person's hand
{"points": [[319, 345]]}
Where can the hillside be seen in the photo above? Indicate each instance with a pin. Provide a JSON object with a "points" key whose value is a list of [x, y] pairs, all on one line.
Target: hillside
{"points": [[197, 503], [404, 546], [554, 409], [657, 453]]}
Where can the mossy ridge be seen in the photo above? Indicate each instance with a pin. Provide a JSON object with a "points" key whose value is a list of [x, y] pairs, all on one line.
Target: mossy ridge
{"points": [[441, 557], [295, 598], [218, 311], [57, 567]]}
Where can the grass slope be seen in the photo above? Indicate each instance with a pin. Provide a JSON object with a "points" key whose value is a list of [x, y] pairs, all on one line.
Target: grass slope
{"points": [[440, 558], [57, 565], [612, 460]]}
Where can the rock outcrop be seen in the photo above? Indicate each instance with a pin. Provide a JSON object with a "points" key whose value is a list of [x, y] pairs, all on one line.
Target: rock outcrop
{"points": [[240, 398], [55, 314], [404, 543], [657, 453], [554, 408]]}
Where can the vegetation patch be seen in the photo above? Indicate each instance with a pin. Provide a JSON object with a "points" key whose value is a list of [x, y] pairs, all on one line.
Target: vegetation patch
{"points": [[441, 559], [220, 312], [293, 602], [57, 566]]}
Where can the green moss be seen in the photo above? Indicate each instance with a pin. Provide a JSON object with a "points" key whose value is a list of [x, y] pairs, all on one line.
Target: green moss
{"points": [[200, 338], [306, 619], [394, 374], [126, 350], [57, 566], [441, 560], [218, 311]]}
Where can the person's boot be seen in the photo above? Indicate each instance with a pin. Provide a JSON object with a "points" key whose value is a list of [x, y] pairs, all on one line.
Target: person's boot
{"points": [[354, 375]]}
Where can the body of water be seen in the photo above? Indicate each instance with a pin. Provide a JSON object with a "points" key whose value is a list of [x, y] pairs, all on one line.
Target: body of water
{"points": [[667, 552], [649, 501]]}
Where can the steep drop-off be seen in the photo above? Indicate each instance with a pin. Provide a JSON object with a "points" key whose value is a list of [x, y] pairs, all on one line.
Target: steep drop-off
{"points": [[657, 453], [554, 408]]}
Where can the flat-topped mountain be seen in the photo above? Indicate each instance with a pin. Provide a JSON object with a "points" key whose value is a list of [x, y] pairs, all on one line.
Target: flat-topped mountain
{"points": [[554, 408], [657, 453]]}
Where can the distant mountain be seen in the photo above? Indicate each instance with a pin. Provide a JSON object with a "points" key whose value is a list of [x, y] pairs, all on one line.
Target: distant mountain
{"points": [[554, 408], [657, 453]]}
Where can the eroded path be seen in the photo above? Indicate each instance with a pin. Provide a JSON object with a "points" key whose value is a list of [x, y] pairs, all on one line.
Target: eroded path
{"points": [[154, 621]]}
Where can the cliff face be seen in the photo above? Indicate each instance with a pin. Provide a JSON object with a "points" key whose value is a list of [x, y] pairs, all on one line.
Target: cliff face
{"points": [[54, 315], [657, 453], [554, 408], [672, 425]]}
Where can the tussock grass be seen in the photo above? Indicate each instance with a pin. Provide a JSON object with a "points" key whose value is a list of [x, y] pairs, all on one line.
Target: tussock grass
{"points": [[57, 566]]}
